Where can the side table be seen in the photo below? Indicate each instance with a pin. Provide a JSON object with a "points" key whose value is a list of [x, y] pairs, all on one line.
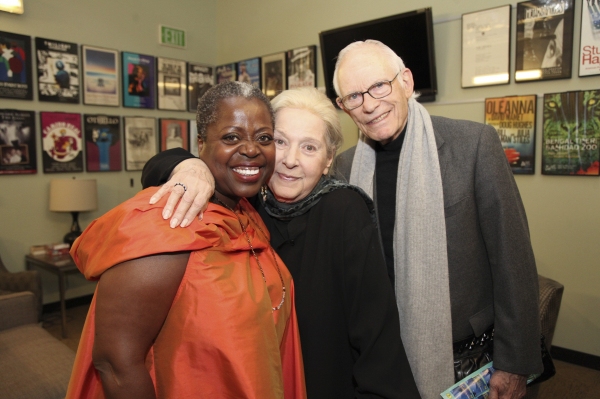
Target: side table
{"points": [[60, 266]]}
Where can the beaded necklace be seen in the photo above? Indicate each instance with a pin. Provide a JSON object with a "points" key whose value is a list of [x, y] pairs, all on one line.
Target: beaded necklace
{"points": [[215, 199]]}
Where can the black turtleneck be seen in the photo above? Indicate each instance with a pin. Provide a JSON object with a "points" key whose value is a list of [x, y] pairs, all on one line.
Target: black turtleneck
{"points": [[386, 174]]}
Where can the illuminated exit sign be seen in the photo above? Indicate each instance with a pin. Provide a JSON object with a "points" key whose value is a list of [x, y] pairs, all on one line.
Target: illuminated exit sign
{"points": [[171, 37]]}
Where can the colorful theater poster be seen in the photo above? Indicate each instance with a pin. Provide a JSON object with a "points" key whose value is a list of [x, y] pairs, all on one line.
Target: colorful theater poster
{"points": [[100, 76], [15, 66], [138, 80], [57, 71], [102, 143], [62, 144]]}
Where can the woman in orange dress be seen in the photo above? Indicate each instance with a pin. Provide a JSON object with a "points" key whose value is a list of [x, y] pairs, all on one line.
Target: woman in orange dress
{"points": [[207, 312]]}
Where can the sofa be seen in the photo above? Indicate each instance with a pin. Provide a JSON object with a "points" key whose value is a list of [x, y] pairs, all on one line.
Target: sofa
{"points": [[33, 364]]}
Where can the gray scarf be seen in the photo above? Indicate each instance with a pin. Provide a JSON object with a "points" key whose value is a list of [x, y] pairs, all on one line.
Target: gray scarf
{"points": [[420, 253]]}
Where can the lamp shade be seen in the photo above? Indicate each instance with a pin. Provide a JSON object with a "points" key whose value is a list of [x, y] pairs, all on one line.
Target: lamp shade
{"points": [[72, 195], [13, 6]]}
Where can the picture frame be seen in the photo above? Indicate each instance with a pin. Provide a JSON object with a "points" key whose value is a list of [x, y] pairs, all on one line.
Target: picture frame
{"points": [[174, 134], [589, 39], [248, 71], [141, 141], [486, 47], [193, 138], [301, 66], [62, 142], [544, 45], [574, 151], [102, 135], [57, 71], [138, 77], [171, 84], [273, 71], [200, 78], [226, 73], [16, 78], [100, 70], [18, 154], [514, 118]]}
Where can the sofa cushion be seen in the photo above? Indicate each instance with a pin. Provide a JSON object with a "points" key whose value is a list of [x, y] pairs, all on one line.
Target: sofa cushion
{"points": [[33, 364]]}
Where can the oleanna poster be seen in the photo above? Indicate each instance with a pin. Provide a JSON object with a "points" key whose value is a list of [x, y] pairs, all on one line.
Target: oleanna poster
{"points": [[102, 143], [58, 71], [15, 66], [62, 144], [17, 142], [571, 133], [513, 118]]}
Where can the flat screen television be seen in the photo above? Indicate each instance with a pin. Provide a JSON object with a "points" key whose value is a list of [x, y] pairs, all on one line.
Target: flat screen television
{"points": [[409, 34]]}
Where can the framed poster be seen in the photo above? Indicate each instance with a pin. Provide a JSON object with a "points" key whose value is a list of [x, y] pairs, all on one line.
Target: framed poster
{"points": [[100, 76], [571, 133], [102, 143], [486, 47], [140, 141], [174, 134], [273, 74], [58, 71], [200, 79], [302, 67], [194, 138], [138, 77], [589, 43], [513, 118], [17, 142], [248, 71], [15, 66], [544, 40], [226, 73], [171, 84], [62, 144]]}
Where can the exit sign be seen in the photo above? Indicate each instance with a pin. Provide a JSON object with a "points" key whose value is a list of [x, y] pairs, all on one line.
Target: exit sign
{"points": [[171, 37]]}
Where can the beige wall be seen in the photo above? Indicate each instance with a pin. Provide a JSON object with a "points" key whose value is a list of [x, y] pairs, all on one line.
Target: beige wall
{"points": [[563, 211]]}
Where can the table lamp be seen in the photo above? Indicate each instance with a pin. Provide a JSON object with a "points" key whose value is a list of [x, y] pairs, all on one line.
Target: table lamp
{"points": [[72, 195]]}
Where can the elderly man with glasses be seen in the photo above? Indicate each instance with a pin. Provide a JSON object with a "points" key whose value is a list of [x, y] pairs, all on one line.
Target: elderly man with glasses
{"points": [[452, 223]]}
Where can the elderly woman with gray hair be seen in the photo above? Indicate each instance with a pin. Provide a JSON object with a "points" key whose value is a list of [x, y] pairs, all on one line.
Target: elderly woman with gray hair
{"points": [[323, 230]]}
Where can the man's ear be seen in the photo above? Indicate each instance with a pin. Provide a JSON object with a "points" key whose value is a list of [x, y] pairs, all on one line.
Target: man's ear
{"points": [[200, 145], [408, 84]]}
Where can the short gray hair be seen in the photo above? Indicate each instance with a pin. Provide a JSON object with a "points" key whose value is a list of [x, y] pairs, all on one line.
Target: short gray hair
{"points": [[317, 103], [208, 104], [393, 58]]}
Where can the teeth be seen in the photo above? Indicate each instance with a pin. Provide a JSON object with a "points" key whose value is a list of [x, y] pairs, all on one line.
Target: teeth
{"points": [[246, 171], [379, 118]]}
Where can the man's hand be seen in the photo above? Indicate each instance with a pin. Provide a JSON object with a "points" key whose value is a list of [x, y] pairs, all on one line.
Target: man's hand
{"points": [[196, 177], [505, 385]]}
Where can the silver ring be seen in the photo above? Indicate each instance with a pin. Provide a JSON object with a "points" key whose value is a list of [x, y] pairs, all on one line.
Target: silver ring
{"points": [[182, 185]]}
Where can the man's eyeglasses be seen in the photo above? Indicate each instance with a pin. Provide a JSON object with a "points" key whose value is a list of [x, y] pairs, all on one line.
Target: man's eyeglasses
{"points": [[377, 91]]}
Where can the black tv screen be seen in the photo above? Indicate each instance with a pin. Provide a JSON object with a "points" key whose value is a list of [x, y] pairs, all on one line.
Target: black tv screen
{"points": [[409, 34]]}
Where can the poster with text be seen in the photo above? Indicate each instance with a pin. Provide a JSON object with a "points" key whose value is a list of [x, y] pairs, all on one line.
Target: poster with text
{"points": [[15, 66], [140, 141], [514, 119], [226, 73], [200, 79], [174, 134], [62, 144], [194, 138], [544, 40], [17, 142], [571, 133], [248, 71], [171, 83], [138, 80], [58, 71], [589, 50], [102, 143], [302, 67], [100, 76]]}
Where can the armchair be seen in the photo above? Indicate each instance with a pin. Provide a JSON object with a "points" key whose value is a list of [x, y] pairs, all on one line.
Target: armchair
{"points": [[21, 281]]}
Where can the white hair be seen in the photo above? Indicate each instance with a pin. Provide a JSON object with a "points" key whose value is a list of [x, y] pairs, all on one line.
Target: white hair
{"points": [[393, 58]]}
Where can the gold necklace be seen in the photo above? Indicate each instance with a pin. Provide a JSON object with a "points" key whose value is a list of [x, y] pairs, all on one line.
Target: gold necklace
{"points": [[262, 272]]}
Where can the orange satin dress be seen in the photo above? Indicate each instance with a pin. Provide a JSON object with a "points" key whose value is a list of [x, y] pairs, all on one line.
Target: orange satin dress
{"points": [[220, 338]]}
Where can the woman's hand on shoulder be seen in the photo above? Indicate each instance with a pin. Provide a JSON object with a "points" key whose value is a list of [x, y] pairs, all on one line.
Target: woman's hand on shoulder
{"points": [[191, 185]]}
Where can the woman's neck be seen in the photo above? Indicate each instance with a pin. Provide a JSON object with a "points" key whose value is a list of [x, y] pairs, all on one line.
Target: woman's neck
{"points": [[225, 200]]}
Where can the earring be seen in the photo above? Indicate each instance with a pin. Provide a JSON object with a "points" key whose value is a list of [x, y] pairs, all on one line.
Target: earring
{"points": [[263, 192]]}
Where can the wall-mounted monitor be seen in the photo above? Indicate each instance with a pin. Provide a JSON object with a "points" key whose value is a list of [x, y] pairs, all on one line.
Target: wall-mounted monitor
{"points": [[409, 34]]}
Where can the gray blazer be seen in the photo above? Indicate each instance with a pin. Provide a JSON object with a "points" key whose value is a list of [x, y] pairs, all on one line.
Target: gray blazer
{"points": [[493, 277]]}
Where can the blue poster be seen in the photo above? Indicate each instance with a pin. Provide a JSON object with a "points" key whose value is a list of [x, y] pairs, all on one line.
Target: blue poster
{"points": [[138, 80], [249, 72]]}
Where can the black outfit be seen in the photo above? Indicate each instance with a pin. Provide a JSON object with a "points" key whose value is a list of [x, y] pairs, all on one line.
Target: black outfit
{"points": [[345, 304]]}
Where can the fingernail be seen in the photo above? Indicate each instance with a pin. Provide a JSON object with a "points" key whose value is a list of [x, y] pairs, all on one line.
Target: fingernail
{"points": [[200, 216], [174, 223], [185, 223], [153, 200], [166, 214]]}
